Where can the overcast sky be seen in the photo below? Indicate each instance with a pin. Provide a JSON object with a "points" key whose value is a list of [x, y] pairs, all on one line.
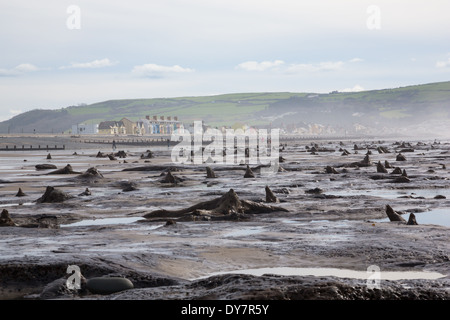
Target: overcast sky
{"points": [[57, 53]]}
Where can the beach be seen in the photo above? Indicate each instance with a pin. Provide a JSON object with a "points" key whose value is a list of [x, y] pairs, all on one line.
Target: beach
{"points": [[131, 224]]}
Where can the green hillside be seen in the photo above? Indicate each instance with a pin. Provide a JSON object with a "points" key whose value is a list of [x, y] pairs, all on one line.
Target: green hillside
{"points": [[376, 108]]}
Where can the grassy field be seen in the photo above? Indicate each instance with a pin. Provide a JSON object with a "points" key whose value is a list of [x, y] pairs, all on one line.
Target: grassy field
{"points": [[388, 106]]}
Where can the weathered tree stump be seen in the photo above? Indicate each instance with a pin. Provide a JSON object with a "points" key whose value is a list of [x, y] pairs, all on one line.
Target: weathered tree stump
{"points": [[5, 219], [412, 220], [249, 173], [53, 195], [381, 168], [270, 197], [228, 207], [20, 193], [392, 215], [210, 173]]}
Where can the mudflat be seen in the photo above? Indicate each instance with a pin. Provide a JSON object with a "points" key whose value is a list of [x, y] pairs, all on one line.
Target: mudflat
{"points": [[176, 231]]}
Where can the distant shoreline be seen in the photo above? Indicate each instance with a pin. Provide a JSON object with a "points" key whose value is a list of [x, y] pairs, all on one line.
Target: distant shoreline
{"points": [[76, 142]]}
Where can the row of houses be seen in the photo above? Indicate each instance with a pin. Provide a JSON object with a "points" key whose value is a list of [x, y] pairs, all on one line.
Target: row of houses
{"points": [[145, 126]]}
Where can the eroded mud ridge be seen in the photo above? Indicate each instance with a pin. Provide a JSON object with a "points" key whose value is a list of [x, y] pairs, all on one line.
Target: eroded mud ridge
{"points": [[184, 231]]}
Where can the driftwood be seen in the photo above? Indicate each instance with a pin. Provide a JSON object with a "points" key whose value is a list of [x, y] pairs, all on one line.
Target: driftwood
{"points": [[228, 206], [45, 166]]}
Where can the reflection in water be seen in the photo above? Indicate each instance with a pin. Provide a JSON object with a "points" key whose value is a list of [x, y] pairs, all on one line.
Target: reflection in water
{"points": [[334, 272]]}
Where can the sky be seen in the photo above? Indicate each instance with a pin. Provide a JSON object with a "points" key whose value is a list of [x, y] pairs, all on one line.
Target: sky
{"points": [[58, 53]]}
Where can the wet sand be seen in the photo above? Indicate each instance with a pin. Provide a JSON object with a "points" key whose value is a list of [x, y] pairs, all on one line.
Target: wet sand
{"points": [[340, 227]]}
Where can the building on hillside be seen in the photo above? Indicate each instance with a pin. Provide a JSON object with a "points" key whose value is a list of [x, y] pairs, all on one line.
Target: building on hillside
{"points": [[140, 129], [163, 125], [112, 127], [197, 130], [83, 128], [131, 127]]}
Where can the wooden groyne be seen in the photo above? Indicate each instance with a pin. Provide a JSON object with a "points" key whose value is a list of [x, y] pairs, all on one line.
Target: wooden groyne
{"points": [[129, 142], [162, 140], [31, 148]]}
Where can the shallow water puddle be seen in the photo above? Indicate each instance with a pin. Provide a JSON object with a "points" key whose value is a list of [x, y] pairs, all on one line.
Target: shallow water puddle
{"points": [[334, 272], [103, 221], [394, 194], [435, 216], [239, 232], [5, 205]]}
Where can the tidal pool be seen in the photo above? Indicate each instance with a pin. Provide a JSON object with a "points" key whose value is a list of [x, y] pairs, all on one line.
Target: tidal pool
{"points": [[435, 216], [103, 221], [335, 272], [393, 193]]}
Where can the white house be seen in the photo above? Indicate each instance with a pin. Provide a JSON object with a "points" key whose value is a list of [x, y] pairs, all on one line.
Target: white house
{"points": [[83, 128]]}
